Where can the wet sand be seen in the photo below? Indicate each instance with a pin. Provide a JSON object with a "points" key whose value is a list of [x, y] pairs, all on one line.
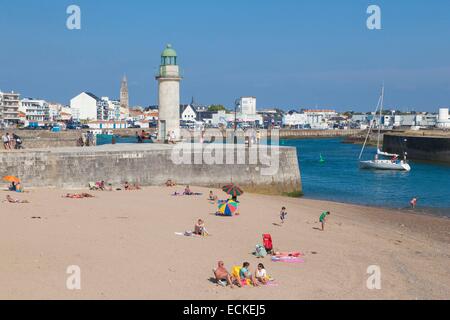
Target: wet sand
{"points": [[126, 247]]}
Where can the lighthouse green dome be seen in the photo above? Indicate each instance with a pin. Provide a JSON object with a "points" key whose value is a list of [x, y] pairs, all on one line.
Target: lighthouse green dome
{"points": [[169, 52]]}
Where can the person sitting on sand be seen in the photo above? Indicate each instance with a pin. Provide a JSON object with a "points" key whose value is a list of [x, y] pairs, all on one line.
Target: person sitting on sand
{"points": [[261, 274], [12, 187], [200, 229], [222, 274], [12, 200], [323, 219], [187, 191], [246, 274], [212, 196]]}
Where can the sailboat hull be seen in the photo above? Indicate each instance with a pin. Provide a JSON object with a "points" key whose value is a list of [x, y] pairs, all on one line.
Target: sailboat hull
{"points": [[385, 165]]}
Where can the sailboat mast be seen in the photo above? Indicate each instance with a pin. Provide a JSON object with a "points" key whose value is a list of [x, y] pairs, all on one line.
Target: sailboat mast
{"points": [[381, 114], [370, 129]]}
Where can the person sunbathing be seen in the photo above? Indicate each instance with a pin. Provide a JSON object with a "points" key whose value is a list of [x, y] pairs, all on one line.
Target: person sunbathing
{"points": [[222, 274], [78, 196], [187, 191], [131, 187], [212, 196], [12, 200], [170, 183], [246, 274], [261, 274], [200, 229]]}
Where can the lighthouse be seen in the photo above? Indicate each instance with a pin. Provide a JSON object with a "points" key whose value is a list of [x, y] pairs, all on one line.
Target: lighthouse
{"points": [[168, 95]]}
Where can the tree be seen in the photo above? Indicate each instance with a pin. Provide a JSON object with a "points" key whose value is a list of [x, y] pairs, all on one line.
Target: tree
{"points": [[216, 108]]}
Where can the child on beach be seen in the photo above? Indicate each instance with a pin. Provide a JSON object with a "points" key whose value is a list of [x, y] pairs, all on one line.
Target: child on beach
{"points": [[245, 274], [283, 214], [323, 219]]}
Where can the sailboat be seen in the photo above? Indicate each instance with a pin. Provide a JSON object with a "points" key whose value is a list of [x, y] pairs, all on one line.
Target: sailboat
{"points": [[381, 161]]}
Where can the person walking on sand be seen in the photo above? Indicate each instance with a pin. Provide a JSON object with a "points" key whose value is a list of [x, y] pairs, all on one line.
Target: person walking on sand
{"points": [[283, 214], [413, 203], [323, 219]]}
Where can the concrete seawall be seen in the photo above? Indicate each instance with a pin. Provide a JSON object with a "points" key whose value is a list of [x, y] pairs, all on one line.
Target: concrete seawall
{"points": [[36, 139], [426, 148], [146, 164]]}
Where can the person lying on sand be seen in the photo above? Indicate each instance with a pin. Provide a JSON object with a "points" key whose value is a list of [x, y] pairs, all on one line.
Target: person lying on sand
{"points": [[246, 274], [170, 183], [131, 187], [78, 196], [222, 274], [12, 200]]}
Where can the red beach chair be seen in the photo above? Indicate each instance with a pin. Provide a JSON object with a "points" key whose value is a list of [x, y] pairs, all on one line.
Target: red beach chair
{"points": [[267, 242]]}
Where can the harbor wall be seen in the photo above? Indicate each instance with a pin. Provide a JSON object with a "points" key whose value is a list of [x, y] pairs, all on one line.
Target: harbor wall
{"points": [[425, 148], [148, 165], [35, 139]]}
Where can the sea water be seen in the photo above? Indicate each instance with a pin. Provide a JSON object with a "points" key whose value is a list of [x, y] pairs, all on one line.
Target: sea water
{"points": [[340, 179]]}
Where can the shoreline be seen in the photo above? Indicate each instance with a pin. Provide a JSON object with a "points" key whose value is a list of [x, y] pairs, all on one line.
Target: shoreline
{"points": [[420, 211]]}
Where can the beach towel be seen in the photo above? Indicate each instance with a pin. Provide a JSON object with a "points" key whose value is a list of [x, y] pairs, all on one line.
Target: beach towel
{"points": [[287, 259], [288, 254]]}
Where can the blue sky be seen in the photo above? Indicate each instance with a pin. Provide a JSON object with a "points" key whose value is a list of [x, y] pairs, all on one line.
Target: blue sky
{"points": [[287, 53]]}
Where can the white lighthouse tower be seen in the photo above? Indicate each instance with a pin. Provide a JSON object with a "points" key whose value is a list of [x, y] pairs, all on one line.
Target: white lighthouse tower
{"points": [[169, 95]]}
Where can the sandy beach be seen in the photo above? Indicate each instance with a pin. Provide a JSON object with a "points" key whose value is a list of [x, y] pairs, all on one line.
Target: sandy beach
{"points": [[126, 247]]}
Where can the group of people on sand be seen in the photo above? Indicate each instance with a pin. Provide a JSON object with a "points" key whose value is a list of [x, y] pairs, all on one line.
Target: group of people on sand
{"points": [[257, 278], [103, 186], [11, 142], [322, 219]]}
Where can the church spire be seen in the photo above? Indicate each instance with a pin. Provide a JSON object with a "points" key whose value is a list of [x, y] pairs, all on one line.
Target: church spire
{"points": [[124, 98]]}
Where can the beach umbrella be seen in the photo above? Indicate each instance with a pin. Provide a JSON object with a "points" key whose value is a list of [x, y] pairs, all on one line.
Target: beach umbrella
{"points": [[11, 179], [228, 208], [233, 190]]}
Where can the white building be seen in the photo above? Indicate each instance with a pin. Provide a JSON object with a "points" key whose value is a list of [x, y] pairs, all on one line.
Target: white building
{"points": [[36, 111], [293, 119], [9, 107], [223, 118], [443, 120], [248, 105], [87, 107], [188, 113]]}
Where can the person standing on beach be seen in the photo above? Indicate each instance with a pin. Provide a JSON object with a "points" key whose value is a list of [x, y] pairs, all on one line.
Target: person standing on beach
{"points": [[283, 214], [323, 219], [6, 141]]}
